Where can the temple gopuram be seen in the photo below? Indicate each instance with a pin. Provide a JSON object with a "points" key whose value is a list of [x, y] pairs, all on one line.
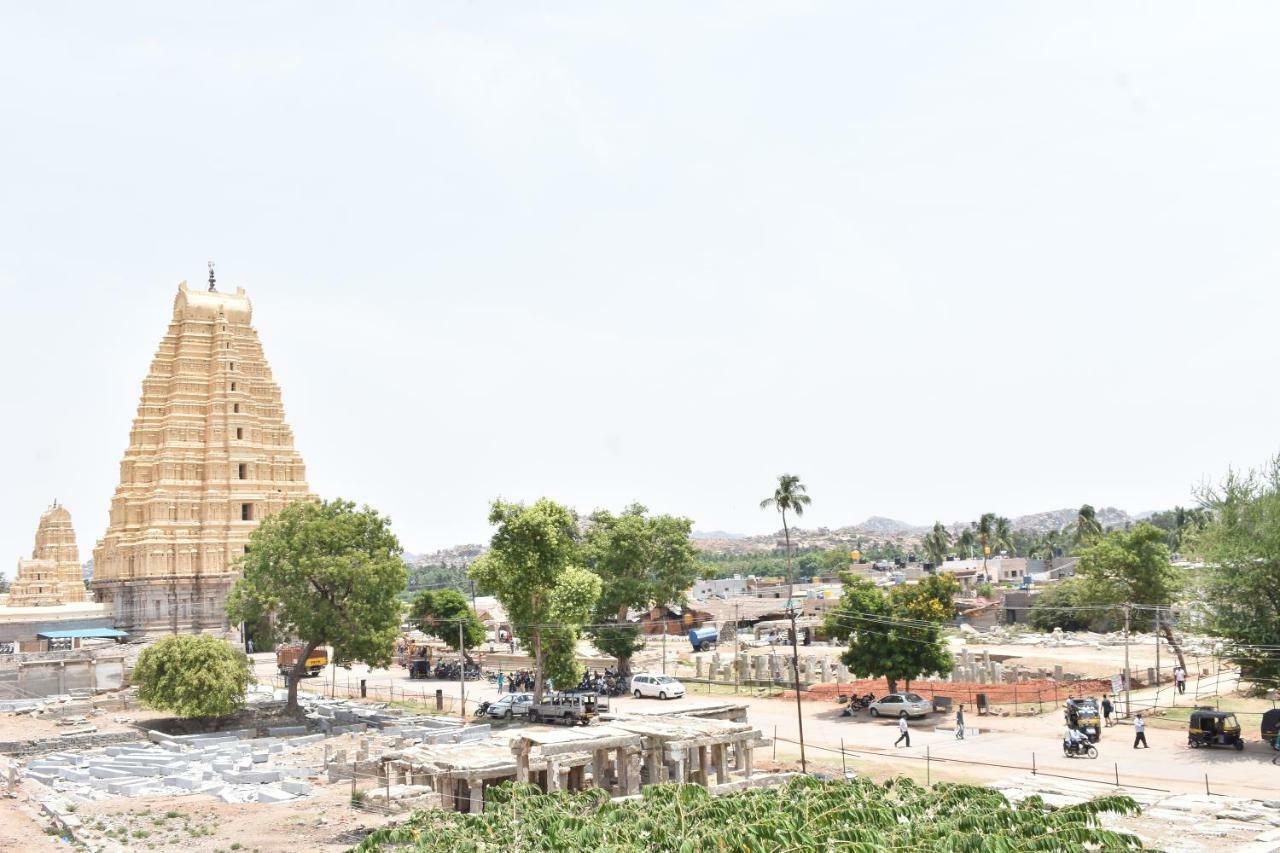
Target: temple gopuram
{"points": [[52, 576], [209, 457]]}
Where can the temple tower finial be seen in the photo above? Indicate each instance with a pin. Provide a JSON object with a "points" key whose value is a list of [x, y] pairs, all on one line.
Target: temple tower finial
{"points": [[212, 281]]}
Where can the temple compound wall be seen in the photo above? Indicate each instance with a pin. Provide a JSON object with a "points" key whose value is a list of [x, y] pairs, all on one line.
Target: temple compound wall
{"points": [[209, 457], [52, 576]]}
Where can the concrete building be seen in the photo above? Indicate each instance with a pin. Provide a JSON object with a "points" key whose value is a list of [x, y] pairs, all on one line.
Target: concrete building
{"points": [[52, 576], [209, 457]]}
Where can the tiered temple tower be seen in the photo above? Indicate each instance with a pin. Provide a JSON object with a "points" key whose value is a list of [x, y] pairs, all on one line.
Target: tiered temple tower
{"points": [[209, 456], [52, 575]]}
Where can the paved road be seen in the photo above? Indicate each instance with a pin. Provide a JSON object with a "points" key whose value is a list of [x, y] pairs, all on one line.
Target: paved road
{"points": [[1005, 746]]}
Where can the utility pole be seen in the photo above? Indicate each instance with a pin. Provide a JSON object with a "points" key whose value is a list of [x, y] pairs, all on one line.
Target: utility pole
{"points": [[462, 673], [1157, 632], [664, 645], [1127, 710], [795, 670], [736, 647]]}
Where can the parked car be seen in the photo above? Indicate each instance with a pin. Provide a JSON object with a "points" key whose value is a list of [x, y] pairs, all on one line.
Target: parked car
{"points": [[661, 686], [511, 705], [901, 705]]}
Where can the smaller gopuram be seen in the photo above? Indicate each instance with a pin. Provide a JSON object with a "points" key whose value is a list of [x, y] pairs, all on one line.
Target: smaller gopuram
{"points": [[52, 576]]}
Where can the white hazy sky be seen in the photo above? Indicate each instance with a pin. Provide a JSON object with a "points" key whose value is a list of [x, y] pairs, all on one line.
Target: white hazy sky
{"points": [[935, 258]]}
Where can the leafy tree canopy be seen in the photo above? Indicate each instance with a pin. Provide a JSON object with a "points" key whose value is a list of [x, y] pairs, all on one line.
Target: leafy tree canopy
{"points": [[532, 567], [1130, 566], [1242, 545], [896, 636], [642, 561], [193, 676], [330, 574], [1055, 607], [439, 611]]}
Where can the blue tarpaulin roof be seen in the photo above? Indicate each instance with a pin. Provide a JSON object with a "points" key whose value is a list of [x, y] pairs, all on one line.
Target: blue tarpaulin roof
{"points": [[82, 633]]}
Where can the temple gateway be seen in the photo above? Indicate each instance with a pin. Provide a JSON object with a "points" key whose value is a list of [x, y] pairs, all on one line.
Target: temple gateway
{"points": [[52, 576], [209, 457]]}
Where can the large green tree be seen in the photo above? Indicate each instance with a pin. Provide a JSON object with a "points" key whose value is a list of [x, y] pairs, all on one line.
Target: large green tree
{"points": [[1241, 545], [533, 568], [895, 636], [1066, 605], [642, 561], [192, 675], [440, 612], [329, 575], [1128, 567]]}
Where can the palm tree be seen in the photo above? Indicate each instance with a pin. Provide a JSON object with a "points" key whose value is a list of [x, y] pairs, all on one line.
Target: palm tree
{"points": [[984, 527], [790, 495], [1048, 546], [1002, 536], [936, 544], [966, 542], [1087, 528]]}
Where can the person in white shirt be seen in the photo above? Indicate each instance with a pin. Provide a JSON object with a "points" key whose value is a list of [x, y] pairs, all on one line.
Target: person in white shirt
{"points": [[1180, 679], [1140, 732], [903, 732]]}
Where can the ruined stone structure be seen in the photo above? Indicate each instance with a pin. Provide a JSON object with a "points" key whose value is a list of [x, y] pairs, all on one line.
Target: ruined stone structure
{"points": [[52, 576], [209, 457]]}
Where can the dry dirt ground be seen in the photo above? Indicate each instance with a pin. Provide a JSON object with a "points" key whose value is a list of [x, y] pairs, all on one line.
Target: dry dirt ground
{"points": [[324, 822]]}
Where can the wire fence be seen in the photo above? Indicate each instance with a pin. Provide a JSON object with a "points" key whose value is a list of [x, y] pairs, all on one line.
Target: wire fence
{"points": [[928, 760]]}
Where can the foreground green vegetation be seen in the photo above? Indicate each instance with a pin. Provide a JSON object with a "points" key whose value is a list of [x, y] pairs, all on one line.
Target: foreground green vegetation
{"points": [[804, 814]]}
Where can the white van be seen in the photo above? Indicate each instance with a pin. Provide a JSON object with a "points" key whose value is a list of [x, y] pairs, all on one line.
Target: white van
{"points": [[660, 686]]}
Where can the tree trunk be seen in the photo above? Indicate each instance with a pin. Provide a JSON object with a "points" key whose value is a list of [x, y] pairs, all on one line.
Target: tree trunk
{"points": [[624, 664], [1167, 630], [893, 684], [537, 664], [299, 668]]}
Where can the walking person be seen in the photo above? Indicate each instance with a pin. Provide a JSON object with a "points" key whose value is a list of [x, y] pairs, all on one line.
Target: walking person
{"points": [[904, 733], [1180, 679], [959, 724], [1107, 708], [250, 645], [1140, 732], [500, 677]]}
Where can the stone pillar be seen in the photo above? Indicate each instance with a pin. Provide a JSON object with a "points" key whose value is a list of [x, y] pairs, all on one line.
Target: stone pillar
{"points": [[697, 667], [746, 760], [620, 762], [677, 771], [599, 771], [761, 664], [704, 767], [1057, 672], [633, 759], [654, 765], [826, 670], [476, 801], [522, 761], [722, 770], [997, 672]]}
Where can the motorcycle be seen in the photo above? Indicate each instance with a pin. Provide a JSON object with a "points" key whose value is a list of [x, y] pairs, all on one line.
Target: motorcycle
{"points": [[482, 709], [858, 703], [1079, 749]]}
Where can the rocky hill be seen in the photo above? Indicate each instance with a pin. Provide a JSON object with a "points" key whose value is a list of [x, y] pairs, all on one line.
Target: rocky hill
{"points": [[1057, 519]]}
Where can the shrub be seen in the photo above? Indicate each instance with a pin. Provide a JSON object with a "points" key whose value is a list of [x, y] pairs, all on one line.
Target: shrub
{"points": [[193, 676]]}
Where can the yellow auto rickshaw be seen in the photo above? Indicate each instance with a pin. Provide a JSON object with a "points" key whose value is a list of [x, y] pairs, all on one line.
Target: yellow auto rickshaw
{"points": [[1207, 727]]}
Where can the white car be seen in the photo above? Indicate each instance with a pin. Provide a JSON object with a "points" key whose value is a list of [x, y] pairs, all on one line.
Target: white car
{"points": [[511, 705], [661, 686], [901, 705]]}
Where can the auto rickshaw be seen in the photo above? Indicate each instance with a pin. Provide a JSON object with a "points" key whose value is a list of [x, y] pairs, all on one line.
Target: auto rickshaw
{"points": [[1083, 715], [420, 668], [1271, 728], [1207, 727]]}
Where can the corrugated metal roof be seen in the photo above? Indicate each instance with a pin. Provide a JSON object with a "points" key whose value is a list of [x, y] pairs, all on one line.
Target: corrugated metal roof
{"points": [[82, 633]]}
